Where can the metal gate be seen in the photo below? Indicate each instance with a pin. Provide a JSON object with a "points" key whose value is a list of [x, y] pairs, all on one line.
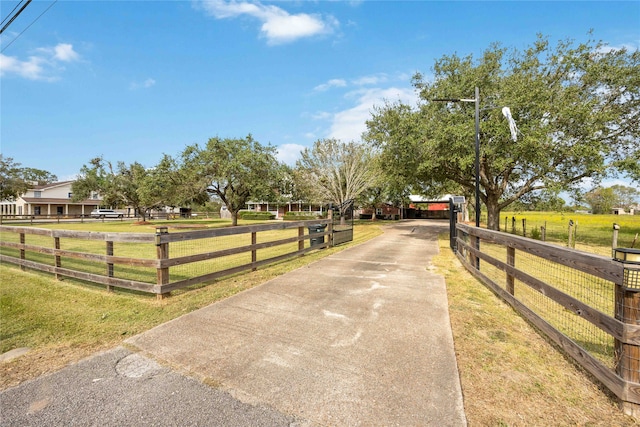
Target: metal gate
{"points": [[343, 223]]}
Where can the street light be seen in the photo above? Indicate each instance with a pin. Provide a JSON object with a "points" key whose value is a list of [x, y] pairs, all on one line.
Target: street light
{"points": [[512, 127], [477, 102]]}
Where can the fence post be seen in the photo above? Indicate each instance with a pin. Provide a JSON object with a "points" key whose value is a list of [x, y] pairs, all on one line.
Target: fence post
{"points": [[254, 252], [162, 252], [627, 310], [109, 264], [58, 260], [511, 260], [524, 227], [330, 226], [452, 225], [614, 243], [570, 233], [473, 259], [22, 251], [628, 355]]}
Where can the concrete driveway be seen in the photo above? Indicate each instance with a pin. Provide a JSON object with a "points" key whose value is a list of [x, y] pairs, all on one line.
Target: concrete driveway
{"points": [[361, 337]]}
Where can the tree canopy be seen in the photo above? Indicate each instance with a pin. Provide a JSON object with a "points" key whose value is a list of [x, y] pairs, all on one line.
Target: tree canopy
{"points": [[233, 170], [577, 108], [123, 185], [15, 180], [603, 199], [335, 171]]}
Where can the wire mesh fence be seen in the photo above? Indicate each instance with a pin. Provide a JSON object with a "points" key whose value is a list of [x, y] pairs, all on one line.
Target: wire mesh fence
{"points": [[590, 290], [580, 300], [162, 262]]}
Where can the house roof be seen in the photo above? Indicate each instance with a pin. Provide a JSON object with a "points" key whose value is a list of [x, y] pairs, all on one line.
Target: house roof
{"points": [[415, 198], [58, 201], [51, 185]]}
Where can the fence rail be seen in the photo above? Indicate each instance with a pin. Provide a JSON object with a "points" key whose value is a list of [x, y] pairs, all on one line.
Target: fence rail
{"points": [[579, 300], [162, 262]]}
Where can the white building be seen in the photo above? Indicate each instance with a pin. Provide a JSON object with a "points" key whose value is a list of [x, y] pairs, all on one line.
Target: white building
{"points": [[50, 200]]}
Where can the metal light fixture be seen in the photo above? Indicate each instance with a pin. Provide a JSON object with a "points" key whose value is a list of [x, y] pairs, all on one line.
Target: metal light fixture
{"points": [[627, 255], [630, 259]]}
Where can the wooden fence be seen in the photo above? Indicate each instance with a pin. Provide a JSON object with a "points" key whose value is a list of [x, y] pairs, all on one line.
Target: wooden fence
{"points": [[580, 301], [146, 263]]}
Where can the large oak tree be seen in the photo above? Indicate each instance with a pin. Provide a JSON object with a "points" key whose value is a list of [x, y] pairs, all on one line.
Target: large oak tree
{"points": [[122, 185], [577, 107], [234, 170]]}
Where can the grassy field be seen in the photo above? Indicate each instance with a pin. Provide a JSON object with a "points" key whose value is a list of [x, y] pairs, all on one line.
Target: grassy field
{"points": [[593, 233]]}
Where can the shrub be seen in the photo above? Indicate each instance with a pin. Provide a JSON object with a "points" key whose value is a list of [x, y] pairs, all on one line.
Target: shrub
{"points": [[260, 216], [536, 234], [300, 216]]}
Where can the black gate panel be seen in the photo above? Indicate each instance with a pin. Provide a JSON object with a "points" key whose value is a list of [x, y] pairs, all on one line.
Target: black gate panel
{"points": [[343, 223]]}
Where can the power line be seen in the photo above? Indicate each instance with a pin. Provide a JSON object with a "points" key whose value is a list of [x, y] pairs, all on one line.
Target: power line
{"points": [[28, 26], [10, 13], [15, 16]]}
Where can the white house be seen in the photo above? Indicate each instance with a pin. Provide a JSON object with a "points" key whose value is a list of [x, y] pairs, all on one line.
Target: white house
{"points": [[50, 199], [621, 211]]}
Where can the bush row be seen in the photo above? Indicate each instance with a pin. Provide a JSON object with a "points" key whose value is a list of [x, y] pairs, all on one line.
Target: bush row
{"points": [[261, 216], [300, 216]]}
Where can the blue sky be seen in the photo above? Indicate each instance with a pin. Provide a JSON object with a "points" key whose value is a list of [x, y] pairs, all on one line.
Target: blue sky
{"points": [[131, 80]]}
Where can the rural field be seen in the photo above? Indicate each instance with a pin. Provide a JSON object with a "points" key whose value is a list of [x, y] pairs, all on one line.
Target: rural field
{"points": [[510, 374], [591, 233]]}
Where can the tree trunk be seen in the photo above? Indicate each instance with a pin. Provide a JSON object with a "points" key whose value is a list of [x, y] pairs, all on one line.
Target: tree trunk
{"points": [[493, 214], [234, 218]]}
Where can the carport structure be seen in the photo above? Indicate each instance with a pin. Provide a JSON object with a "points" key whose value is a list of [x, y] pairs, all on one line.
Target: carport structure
{"points": [[427, 208]]}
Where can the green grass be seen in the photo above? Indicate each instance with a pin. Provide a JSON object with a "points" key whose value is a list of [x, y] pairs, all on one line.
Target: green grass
{"points": [[593, 233], [64, 321]]}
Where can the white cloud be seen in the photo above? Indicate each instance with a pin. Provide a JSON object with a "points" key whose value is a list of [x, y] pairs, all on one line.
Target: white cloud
{"points": [[42, 65], [371, 80], [278, 26], [628, 46], [64, 52], [331, 83], [142, 85], [32, 69], [289, 153], [322, 115], [348, 125]]}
